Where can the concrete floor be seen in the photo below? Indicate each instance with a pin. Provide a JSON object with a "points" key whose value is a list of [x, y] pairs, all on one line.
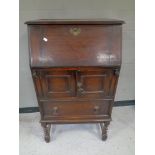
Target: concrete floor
{"points": [[79, 139]]}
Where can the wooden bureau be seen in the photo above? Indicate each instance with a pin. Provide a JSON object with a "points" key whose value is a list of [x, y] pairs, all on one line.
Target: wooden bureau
{"points": [[75, 67]]}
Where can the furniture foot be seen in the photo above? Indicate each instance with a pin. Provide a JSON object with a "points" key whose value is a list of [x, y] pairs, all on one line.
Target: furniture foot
{"points": [[104, 129], [46, 128]]}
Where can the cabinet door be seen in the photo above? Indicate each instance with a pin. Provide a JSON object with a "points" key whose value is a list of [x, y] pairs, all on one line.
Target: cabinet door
{"points": [[58, 84], [95, 83]]}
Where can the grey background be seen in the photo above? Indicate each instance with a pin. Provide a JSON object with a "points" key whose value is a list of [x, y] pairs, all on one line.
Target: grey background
{"points": [[59, 9]]}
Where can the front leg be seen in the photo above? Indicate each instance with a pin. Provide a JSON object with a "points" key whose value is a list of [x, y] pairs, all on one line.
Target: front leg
{"points": [[104, 129], [46, 128]]}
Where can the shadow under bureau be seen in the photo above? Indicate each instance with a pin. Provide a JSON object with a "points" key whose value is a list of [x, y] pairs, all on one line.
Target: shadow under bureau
{"points": [[75, 67]]}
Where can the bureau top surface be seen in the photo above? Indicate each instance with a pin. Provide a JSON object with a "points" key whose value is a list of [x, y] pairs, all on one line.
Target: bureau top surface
{"points": [[75, 21]]}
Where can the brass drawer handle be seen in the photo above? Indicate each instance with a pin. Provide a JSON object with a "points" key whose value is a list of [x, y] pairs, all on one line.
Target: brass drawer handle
{"points": [[96, 108], [55, 110], [75, 31]]}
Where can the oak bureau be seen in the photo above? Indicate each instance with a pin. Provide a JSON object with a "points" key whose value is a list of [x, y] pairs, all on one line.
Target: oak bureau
{"points": [[75, 66]]}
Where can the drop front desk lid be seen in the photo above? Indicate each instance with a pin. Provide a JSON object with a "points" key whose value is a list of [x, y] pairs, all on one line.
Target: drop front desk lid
{"points": [[71, 43]]}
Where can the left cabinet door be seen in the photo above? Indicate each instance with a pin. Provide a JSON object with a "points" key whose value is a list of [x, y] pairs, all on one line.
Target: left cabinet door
{"points": [[57, 83]]}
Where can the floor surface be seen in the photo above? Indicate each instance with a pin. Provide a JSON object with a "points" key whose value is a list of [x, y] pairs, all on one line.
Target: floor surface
{"points": [[79, 139]]}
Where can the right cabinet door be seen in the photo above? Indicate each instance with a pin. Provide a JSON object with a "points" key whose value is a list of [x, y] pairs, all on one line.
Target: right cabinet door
{"points": [[96, 83]]}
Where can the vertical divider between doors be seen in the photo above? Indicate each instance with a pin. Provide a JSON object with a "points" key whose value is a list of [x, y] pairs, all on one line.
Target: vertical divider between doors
{"points": [[76, 81]]}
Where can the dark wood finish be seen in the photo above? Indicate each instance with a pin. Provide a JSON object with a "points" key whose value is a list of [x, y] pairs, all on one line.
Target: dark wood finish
{"points": [[75, 67], [75, 21], [94, 83], [90, 45], [58, 84], [104, 129], [54, 110], [46, 128]]}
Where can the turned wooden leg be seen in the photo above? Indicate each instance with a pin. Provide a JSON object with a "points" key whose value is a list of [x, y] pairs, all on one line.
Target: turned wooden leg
{"points": [[104, 129], [46, 128]]}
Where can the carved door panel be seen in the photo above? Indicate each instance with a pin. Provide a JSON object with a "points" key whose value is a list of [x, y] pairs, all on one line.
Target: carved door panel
{"points": [[95, 83], [58, 84]]}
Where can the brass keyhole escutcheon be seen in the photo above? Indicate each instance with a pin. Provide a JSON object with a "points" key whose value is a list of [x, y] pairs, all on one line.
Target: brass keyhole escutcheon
{"points": [[75, 31]]}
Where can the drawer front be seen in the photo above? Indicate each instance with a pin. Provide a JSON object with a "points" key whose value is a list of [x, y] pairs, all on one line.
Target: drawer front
{"points": [[62, 109], [75, 45]]}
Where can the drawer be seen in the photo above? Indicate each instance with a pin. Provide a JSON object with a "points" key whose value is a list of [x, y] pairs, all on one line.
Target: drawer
{"points": [[73, 109]]}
